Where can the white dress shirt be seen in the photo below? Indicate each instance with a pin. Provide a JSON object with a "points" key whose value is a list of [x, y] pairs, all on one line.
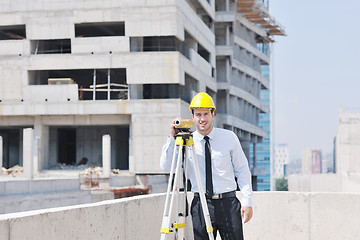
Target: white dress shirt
{"points": [[227, 162]]}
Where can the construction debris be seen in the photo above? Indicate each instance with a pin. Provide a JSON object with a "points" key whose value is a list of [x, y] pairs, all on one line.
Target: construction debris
{"points": [[94, 170], [130, 191], [63, 166], [90, 177], [15, 170]]}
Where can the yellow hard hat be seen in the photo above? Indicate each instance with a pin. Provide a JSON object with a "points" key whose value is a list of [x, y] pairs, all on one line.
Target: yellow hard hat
{"points": [[202, 100]]}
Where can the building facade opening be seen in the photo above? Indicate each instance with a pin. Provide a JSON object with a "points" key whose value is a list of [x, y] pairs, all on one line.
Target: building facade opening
{"points": [[66, 139], [12, 32], [12, 146], [82, 145], [56, 46], [101, 29], [93, 84], [155, 44]]}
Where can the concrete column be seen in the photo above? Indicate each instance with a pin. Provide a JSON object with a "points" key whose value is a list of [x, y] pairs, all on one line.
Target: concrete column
{"points": [[227, 35], [254, 153], [212, 4], [189, 43], [106, 154], [245, 144], [135, 91], [28, 148], [131, 147], [202, 86], [1, 153], [41, 145], [227, 99], [227, 69], [36, 154]]}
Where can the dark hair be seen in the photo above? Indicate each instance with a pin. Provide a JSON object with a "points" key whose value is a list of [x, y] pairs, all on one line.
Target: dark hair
{"points": [[192, 111]]}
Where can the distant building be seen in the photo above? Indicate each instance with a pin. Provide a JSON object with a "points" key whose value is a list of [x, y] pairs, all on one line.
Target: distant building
{"points": [[348, 143], [327, 163], [281, 160], [311, 161], [263, 153], [294, 167]]}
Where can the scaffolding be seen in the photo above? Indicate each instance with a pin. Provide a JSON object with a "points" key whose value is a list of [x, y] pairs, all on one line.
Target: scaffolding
{"points": [[257, 12], [122, 89]]}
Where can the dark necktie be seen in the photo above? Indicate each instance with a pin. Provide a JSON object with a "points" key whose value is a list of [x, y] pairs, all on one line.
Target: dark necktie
{"points": [[209, 182]]}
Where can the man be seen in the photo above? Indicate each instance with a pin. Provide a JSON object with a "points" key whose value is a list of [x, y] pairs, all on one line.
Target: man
{"points": [[220, 159]]}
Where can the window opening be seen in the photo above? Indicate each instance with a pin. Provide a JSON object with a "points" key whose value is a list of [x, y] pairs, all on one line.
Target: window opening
{"points": [[155, 44], [103, 29], [13, 32], [12, 146], [203, 53], [160, 91], [50, 46], [94, 84]]}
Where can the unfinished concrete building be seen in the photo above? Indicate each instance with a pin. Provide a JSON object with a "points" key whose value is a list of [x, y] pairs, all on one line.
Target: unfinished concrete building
{"points": [[243, 32], [74, 71]]}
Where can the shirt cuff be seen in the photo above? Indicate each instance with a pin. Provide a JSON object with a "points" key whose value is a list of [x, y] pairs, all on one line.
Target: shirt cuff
{"points": [[246, 202]]}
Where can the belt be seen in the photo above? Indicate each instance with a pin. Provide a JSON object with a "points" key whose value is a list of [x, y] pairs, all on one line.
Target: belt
{"points": [[218, 196]]}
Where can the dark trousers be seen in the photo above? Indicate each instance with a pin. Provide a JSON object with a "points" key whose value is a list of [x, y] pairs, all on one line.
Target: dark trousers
{"points": [[225, 216]]}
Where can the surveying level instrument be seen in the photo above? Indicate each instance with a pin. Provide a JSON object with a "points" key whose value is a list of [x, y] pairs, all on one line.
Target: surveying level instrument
{"points": [[175, 211], [184, 125]]}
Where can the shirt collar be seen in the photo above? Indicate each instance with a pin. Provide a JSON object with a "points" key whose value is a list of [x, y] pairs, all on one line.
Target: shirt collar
{"points": [[198, 136]]}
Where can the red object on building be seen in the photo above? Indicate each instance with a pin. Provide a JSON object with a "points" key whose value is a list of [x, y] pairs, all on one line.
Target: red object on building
{"points": [[129, 192]]}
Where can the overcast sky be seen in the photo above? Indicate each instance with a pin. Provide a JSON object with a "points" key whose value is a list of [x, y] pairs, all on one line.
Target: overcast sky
{"points": [[316, 70]]}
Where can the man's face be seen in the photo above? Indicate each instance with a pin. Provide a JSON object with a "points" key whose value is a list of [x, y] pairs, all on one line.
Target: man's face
{"points": [[203, 120]]}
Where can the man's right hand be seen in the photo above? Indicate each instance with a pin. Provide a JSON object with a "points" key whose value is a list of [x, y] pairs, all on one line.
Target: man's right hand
{"points": [[173, 130]]}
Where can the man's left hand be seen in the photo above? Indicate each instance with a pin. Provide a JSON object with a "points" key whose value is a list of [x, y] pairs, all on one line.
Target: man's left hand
{"points": [[246, 212]]}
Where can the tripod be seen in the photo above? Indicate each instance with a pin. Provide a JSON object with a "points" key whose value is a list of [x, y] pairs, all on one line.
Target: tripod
{"points": [[173, 222]]}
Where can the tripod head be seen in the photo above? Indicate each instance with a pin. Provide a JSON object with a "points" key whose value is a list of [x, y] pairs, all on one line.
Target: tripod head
{"points": [[184, 125]]}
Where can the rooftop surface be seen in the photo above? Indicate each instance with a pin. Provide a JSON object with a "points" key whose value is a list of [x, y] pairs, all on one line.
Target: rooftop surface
{"points": [[277, 215]]}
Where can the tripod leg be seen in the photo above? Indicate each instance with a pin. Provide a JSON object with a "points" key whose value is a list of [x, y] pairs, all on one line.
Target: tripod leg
{"points": [[204, 205], [181, 224], [175, 192], [165, 227]]}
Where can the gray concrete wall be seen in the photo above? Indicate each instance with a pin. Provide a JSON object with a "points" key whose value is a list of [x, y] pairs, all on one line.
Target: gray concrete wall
{"points": [[284, 215], [315, 183], [277, 215], [28, 202], [131, 218], [324, 183], [26, 195], [23, 186]]}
